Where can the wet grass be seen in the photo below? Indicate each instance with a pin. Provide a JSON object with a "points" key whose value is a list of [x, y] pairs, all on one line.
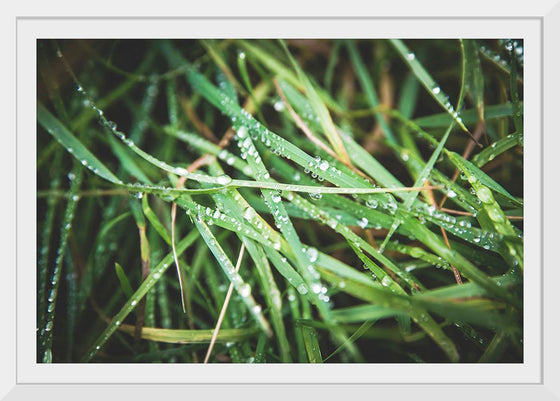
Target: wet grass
{"points": [[374, 188]]}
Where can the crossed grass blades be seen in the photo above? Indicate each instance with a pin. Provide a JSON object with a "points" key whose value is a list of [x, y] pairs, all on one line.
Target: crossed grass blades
{"points": [[255, 201]]}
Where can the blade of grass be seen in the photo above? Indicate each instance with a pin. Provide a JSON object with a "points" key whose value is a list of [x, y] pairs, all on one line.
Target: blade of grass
{"points": [[428, 82]]}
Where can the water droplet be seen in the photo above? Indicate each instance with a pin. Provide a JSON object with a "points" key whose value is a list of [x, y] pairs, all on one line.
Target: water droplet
{"points": [[386, 281], [249, 214], [324, 165], [242, 132], [363, 222], [245, 290], [436, 90], [312, 254], [410, 56], [316, 288], [485, 195], [372, 203], [112, 125], [302, 289], [224, 179], [495, 216], [257, 309], [49, 325], [279, 106], [133, 302]]}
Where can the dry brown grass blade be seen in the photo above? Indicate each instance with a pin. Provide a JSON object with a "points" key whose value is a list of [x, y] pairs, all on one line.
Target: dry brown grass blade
{"points": [[197, 122], [224, 307]]}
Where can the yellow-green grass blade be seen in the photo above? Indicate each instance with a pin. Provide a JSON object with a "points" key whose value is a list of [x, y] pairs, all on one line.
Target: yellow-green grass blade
{"points": [[181, 336]]}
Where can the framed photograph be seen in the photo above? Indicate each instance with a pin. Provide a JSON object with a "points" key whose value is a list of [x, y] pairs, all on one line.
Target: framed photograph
{"points": [[265, 202]]}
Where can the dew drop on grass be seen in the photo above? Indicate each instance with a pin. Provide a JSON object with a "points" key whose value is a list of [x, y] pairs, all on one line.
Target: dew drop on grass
{"points": [[112, 125], [245, 290], [279, 106], [257, 309], [386, 281], [363, 222], [242, 132], [495, 216], [47, 358], [302, 289], [485, 195], [49, 325], [436, 90], [224, 179], [312, 254], [324, 165], [372, 203], [316, 288], [410, 56]]}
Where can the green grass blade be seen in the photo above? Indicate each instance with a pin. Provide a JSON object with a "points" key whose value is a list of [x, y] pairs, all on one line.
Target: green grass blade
{"points": [[427, 81], [242, 288], [311, 341], [123, 280], [47, 327], [54, 127]]}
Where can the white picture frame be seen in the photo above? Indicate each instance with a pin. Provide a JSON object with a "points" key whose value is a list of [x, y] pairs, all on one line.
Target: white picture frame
{"points": [[22, 378]]}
